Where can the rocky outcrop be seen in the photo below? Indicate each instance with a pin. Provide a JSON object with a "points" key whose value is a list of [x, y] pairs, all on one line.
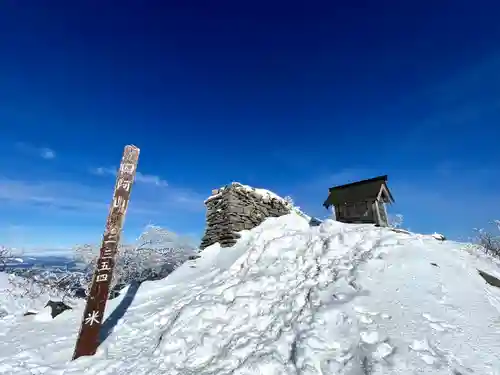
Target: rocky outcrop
{"points": [[490, 279], [238, 207], [57, 308]]}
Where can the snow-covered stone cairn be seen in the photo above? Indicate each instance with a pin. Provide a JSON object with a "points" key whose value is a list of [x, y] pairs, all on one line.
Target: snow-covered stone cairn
{"points": [[236, 207]]}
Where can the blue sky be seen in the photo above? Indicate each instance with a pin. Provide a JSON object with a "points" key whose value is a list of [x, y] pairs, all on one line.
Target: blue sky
{"points": [[294, 97]]}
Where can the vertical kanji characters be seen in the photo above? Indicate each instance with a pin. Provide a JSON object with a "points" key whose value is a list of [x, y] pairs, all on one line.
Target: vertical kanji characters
{"points": [[88, 338]]}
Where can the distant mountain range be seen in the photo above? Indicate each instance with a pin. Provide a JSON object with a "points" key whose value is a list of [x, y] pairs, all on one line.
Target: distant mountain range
{"points": [[48, 261]]}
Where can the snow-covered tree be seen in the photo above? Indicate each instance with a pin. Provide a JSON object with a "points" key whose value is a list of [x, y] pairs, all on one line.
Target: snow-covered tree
{"points": [[487, 241], [57, 285], [156, 253], [289, 201], [4, 255], [31, 290], [396, 221]]}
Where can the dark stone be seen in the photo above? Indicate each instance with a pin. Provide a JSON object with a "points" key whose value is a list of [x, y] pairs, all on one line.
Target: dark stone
{"points": [[57, 308], [439, 237], [114, 294], [490, 279], [399, 230], [80, 293], [314, 222]]}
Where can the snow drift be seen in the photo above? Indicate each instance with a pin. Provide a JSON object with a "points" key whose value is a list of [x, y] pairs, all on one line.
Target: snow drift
{"points": [[289, 299]]}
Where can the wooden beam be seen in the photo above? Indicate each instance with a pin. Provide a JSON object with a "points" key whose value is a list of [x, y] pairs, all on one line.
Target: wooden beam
{"points": [[377, 212], [386, 216], [88, 337]]}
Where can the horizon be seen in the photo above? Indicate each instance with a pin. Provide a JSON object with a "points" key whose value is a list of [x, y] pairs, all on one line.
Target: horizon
{"points": [[293, 99]]}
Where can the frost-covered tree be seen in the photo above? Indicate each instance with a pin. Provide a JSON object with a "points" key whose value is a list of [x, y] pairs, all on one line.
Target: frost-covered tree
{"points": [[31, 290], [58, 285], [156, 253], [396, 221], [488, 241], [5, 255], [22, 293], [289, 201], [26, 289]]}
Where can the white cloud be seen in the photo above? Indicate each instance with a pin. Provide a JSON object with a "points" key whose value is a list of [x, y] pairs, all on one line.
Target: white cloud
{"points": [[51, 194], [150, 179], [62, 212], [70, 196], [43, 152], [103, 171], [140, 177], [47, 153]]}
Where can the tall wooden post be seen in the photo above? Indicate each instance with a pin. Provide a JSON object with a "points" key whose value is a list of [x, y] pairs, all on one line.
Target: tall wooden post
{"points": [[88, 337]]}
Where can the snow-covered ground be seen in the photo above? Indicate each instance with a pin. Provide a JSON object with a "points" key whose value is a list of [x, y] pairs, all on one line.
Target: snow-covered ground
{"points": [[289, 299], [19, 295], [15, 300]]}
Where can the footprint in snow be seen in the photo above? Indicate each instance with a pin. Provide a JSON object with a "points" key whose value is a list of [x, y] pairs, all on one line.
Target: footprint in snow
{"points": [[440, 293], [370, 337], [438, 324], [430, 318], [424, 351], [376, 347], [364, 311], [382, 351], [366, 316], [434, 356], [365, 319]]}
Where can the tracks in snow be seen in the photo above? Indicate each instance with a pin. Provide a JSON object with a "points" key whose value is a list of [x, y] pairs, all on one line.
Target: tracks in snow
{"points": [[264, 307]]}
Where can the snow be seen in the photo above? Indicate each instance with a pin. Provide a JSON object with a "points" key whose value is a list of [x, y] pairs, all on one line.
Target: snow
{"points": [[14, 299], [18, 296], [265, 194], [44, 315], [289, 299]]}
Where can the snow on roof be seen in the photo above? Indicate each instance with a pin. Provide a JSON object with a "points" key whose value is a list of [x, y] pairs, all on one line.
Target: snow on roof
{"points": [[332, 299]]}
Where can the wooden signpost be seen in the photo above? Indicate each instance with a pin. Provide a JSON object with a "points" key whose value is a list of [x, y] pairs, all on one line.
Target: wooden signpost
{"points": [[88, 337]]}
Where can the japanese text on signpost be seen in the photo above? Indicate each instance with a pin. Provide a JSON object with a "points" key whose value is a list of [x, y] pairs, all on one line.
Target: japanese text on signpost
{"points": [[88, 337]]}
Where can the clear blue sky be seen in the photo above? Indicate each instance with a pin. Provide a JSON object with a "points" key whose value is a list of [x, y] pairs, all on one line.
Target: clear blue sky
{"points": [[294, 97]]}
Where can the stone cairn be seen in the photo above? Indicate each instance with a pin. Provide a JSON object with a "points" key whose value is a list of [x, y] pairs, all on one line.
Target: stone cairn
{"points": [[236, 207]]}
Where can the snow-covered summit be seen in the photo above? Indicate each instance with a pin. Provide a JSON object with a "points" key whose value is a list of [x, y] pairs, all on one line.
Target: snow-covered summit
{"points": [[290, 299]]}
